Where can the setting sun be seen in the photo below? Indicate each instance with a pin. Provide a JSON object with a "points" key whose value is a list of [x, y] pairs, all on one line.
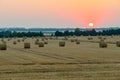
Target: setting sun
{"points": [[91, 25]]}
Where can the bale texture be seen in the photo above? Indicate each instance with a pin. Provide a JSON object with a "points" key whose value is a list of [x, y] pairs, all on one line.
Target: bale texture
{"points": [[18, 40], [77, 42], [103, 44], [62, 43], [90, 38], [45, 42], [72, 40], [41, 44], [118, 43], [27, 45], [36, 42], [3, 46], [14, 42]]}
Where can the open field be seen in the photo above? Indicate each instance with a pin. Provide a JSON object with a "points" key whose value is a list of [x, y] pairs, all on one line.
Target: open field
{"points": [[84, 61]]}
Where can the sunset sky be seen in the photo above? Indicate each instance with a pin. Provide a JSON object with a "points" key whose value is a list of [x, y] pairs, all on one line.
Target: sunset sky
{"points": [[59, 13]]}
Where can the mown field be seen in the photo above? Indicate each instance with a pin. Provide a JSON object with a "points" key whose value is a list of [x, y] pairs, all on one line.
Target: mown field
{"points": [[84, 61]]}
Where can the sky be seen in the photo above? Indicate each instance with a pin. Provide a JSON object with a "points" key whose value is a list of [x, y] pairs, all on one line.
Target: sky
{"points": [[59, 13]]}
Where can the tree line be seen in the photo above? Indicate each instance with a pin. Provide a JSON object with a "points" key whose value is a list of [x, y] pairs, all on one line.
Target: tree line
{"points": [[20, 34], [92, 32], [76, 32]]}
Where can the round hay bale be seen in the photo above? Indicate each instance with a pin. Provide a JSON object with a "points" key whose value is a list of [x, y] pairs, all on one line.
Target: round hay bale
{"points": [[103, 44], [72, 40], [46, 38], [112, 36], [27, 45], [118, 43], [102, 39], [43, 39], [62, 43], [75, 39], [8, 39], [3, 46], [99, 37], [74, 36], [65, 38], [77, 42], [18, 40], [14, 42], [41, 44], [45, 42], [90, 38], [37, 39], [36, 42], [23, 40]]}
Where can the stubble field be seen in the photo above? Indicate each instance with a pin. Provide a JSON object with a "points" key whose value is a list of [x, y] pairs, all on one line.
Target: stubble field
{"points": [[84, 61]]}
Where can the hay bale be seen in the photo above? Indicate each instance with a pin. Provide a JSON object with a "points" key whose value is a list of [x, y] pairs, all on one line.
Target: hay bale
{"points": [[45, 42], [41, 44], [9, 39], [23, 39], [43, 39], [2, 39], [37, 39], [102, 44], [62, 43], [36, 42], [18, 40], [90, 38], [46, 38], [102, 39], [3, 46], [118, 43], [51, 38], [74, 36], [14, 42], [77, 42], [27, 45], [99, 37], [65, 38], [72, 40]]}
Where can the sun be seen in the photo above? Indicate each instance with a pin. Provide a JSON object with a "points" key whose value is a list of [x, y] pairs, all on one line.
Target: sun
{"points": [[91, 24]]}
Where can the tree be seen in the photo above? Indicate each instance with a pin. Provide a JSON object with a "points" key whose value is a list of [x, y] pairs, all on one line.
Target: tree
{"points": [[66, 33], [77, 32], [57, 33]]}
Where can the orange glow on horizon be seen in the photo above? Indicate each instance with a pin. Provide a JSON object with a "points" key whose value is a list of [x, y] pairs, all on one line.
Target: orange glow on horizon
{"points": [[59, 12]]}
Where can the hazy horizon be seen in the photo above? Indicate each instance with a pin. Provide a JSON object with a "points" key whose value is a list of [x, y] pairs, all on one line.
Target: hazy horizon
{"points": [[59, 13]]}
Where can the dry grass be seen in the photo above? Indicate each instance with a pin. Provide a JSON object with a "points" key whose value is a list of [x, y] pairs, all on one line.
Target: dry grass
{"points": [[73, 62]]}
